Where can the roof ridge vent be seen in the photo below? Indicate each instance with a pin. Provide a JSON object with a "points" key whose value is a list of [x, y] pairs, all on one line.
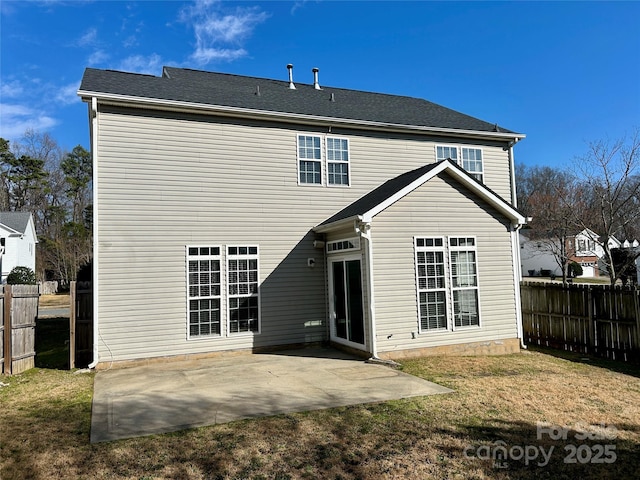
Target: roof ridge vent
{"points": [[315, 71], [290, 68]]}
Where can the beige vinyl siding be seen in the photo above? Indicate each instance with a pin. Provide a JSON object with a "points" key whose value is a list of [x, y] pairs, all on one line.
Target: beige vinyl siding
{"points": [[166, 181], [441, 207]]}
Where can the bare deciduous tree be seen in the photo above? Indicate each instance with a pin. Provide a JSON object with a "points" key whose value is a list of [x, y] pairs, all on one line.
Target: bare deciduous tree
{"points": [[611, 173]]}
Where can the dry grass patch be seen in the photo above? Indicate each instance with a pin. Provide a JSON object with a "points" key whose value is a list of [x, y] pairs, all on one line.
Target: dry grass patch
{"points": [[58, 300], [44, 429]]}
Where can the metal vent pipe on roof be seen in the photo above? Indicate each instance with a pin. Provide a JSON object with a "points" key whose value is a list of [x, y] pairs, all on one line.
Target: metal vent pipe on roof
{"points": [[315, 71], [290, 68]]}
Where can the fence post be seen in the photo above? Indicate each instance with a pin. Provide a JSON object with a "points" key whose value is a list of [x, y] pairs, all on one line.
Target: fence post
{"points": [[8, 331], [72, 325]]}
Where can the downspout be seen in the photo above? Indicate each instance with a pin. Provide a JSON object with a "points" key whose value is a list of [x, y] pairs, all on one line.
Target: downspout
{"points": [[93, 115], [512, 167], [515, 242], [517, 277], [364, 229]]}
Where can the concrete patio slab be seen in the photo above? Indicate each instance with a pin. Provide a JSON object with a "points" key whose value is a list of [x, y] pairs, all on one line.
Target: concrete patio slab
{"points": [[174, 396]]}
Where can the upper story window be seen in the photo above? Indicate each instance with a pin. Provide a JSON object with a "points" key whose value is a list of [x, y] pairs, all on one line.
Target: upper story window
{"points": [[467, 157], [472, 162], [309, 160], [337, 161], [313, 151]]}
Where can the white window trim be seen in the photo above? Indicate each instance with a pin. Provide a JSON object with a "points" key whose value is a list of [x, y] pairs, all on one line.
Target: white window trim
{"points": [[451, 288], [299, 159], [446, 249], [339, 162], [220, 296], [225, 316], [228, 295], [355, 241], [324, 160], [473, 173], [459, 160], [442, 249]]}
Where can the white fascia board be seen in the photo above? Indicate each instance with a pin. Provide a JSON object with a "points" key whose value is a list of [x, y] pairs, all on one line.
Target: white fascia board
{"points": [[492, 199], [10, 231], [344, 222], [177, 105]]}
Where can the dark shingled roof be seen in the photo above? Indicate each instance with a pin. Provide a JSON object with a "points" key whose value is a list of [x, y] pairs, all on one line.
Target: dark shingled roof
{"points": [[220, 89], [17, 221], [393, 186]]}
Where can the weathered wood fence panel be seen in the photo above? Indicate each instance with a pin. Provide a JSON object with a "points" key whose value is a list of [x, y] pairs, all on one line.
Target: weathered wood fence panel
{"points": [[596, 319], [19, 313], [81, 324]]}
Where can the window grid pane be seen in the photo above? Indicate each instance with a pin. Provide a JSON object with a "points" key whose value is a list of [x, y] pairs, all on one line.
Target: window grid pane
{"points": [[338, 161], [203, 290], [464, 281], [244, 311], [472, 162], [430, 268]]}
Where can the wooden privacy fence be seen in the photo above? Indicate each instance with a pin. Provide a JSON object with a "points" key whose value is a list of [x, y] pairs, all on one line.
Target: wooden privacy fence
{"points": [[595, 319], [18, 328], [81, 325]]}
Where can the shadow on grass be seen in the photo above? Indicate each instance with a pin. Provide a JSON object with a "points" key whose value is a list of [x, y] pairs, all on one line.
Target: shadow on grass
{"points": [[615, 366], [524, 450], [52, 343]]}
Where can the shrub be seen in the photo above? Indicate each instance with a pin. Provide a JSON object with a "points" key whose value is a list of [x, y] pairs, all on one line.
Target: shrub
{"points": [[21, 276], [575, 270]]}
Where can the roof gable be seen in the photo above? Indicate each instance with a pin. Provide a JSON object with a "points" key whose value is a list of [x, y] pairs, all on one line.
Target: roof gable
{"points": [[252, 94], [16, 221], [368, 206]]}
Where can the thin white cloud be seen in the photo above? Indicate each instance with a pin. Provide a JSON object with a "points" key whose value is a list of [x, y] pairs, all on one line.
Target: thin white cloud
{"points": [[206, 55], [67, 94], [151, 64], [98, 57], [16, 119], [219, 35], [90, 38], [11, 89]]}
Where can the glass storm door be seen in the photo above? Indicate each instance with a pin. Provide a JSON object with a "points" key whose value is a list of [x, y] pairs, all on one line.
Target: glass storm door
{"points": [[347, 312]]}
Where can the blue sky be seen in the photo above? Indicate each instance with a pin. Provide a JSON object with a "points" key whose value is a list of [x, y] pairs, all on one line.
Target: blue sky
{"points": [[563, 73]]}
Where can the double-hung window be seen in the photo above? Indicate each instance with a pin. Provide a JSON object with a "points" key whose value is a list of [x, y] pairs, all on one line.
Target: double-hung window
{"points": [[244, 311], [337, 161], [469, 158], [464, 281], [309, 160], [204, 290], [447, 283], [430, 272], [314, 151]]}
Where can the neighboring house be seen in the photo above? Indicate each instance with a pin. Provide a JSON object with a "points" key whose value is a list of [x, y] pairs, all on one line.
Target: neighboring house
{"points": [[537, 256], [588, 252], [240, 213], [17, 242], [584, 248]]}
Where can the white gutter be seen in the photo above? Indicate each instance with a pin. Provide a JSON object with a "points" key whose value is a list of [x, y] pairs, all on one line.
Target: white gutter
{"points": [[117, 99], [93, 116], [364, 229], [512, 166], [517, 278]]}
